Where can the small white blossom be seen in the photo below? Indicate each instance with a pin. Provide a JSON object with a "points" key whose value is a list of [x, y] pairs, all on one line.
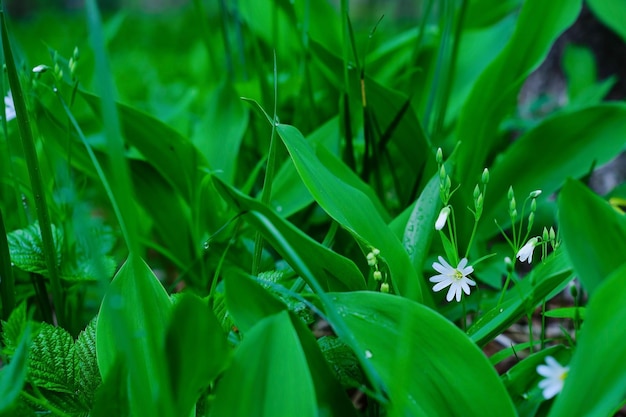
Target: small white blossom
{"points": [[456, 278], [9, 107], [39, 69], [526, 252], [554, 376], [443, 217]]}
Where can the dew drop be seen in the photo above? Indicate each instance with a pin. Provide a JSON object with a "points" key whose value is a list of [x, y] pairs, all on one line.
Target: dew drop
{"points": [[206, 245], [368, 354]]}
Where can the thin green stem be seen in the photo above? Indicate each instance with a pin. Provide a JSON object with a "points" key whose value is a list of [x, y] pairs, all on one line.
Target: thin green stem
{"points": [[530, 332], [543, 324], [266, 194], [7, 281], [34, 172], [42, 402]]}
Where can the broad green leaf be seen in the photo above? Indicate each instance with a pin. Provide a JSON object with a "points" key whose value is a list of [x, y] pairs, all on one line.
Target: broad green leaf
{"points": [[247, 301], [131, 325], [612, 13], [569, 144], [429, 367], [280, 383], [13, 375], [594, 234], [354, 211], [111, 398], [173, 155], [332, 271], [26, 248], [487, 12], [52, 360], [13, 328], [495, 92], [219, 134], [290, 378], [596, 382], [551, 275], [196, 350], [579, 66], [342, 361], [88, 377]]}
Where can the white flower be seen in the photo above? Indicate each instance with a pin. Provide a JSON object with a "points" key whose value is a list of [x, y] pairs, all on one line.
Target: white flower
{"points": [[443, 216], [40, 69], [9, 107], [456, 278], [526, 252], [554, 375]]}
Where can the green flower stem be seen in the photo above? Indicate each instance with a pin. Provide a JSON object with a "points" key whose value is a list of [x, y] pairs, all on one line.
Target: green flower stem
{"points": [[7, 280], [34, 173], [266, 194]]}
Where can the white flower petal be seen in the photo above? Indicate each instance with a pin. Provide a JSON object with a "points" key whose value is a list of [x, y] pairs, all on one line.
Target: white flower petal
{"points": [[451, 293], [441, 269], [439, 278], [441, 286]]}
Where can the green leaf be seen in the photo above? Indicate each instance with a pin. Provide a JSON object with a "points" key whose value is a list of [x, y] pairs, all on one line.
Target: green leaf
{"points": [[26, 248], [13, 328], [111, 398], [13, 375], [247, 301], [290, 377], [52, 360], [495, 92], [131, 325], [196, 350], [173, 155], [219, 134], [612, 13], [569, 144], [343, 362], [429, 366], [354, 211], [330, 270], [550, 276], [280, 383], [574, 313], [598, 367], [594, 234], [89, 378]]}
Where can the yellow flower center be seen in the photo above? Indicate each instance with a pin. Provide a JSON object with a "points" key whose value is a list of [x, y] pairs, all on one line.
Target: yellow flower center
{"points": [[563, 375], [457, 274]]}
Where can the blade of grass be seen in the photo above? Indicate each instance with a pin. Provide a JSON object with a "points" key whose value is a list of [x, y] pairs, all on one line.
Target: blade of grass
{"points": [[266, 194], [30, 153], [7, 282], [120, 179]]}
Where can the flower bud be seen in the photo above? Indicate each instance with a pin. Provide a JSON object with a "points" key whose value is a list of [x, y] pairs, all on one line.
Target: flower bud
{"points": [[476, 192], [371, 259], [439, 156], [531, 220], [485, 177], [40, 69], [442, 174], [535, 194], [510, 195], [378, 275], [384, 287], [552, 234], [545, 235], [533, 205], [442, 218]]}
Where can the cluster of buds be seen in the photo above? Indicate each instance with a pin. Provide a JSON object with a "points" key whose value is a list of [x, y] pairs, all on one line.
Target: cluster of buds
{"points": [[372, 261], [445, 183]]}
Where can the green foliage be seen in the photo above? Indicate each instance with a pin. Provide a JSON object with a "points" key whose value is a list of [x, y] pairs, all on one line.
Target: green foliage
{"points": [[282, 262]]}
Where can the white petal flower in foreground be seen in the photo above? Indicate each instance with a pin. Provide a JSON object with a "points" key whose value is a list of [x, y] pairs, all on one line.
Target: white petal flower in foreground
{"points": [[441, 219], [456, 278], [554, 375], [526, 252], [9, 107]]}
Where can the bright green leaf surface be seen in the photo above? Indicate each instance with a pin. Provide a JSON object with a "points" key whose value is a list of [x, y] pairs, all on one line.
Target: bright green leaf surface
{"points": [[612, 13], [53, 363], [495, 91], [594, 234], [354, 211], [26, 248], [331, 270], [280, 383], [196, 350], [131, 324], [596, 382], [429, 367], [569, 143]]}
